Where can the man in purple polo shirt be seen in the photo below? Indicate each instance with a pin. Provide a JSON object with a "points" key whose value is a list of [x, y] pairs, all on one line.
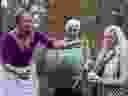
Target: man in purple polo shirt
{"points": [[17, 46]]}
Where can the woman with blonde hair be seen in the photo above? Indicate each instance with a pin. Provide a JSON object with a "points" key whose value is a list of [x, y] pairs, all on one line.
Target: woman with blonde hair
{"points": [[112, 61]]}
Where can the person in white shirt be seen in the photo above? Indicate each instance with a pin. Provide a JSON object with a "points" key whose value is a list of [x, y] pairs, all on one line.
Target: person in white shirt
{"points": [[111, 67]]}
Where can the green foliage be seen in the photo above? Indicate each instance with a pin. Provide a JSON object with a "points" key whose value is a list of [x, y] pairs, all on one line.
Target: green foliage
{"points": [[88, 7], [88, 39]]}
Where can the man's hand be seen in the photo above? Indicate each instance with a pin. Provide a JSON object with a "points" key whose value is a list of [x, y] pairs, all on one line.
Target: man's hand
{"points": [[58, 43]]}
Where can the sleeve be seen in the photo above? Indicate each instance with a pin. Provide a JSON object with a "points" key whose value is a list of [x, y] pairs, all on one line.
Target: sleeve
{"points": [[49, 43], [43, 38]]}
